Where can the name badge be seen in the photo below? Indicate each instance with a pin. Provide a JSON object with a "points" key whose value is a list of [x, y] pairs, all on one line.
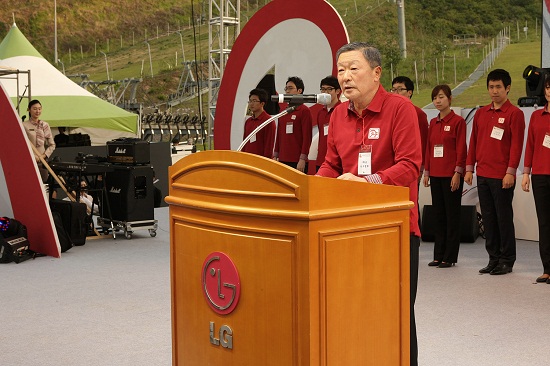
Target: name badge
{"points": [[438, 151], [497, 133], [325, 129], [253, 138], [546, 141], [289, 127], [364, 161]]}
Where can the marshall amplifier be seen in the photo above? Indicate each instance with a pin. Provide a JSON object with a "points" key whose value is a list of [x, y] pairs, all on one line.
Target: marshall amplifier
{"points": [[130, 193], [129, 151]]}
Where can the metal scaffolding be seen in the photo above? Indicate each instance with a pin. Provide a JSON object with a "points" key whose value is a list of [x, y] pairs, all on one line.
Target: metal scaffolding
{"points": [[223, 28]]}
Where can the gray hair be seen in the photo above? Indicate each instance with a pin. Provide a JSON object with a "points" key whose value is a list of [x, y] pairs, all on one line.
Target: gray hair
{"points": [[371, 53]]}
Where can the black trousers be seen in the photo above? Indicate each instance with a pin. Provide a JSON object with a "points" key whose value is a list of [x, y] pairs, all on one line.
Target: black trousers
{"points": [[541, 193], [414, 249], [446, 209], [498, 220]]}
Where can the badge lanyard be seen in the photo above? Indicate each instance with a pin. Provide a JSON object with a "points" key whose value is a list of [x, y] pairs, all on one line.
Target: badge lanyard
{"points": [[364, 161]]}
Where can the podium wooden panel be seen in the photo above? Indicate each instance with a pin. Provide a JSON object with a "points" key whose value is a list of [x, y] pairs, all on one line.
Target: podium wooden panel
{"points": [[323, 265]]}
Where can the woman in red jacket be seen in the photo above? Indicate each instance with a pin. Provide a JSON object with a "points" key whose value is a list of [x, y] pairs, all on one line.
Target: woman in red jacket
{"points": [[444, 174], [537, 156]]}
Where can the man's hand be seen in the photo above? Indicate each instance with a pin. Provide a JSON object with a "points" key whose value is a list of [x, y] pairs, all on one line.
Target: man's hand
{"points": [[468, 178], [301, 165], [349, 176], [525, 182], [508, 181], [426, 181]]}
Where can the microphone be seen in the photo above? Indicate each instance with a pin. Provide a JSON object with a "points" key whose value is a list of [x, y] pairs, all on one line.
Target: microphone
{"points": [[294, 99]]}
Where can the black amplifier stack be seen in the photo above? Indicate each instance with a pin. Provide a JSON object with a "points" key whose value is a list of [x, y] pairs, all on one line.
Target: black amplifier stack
{"points": [[130, 186]]}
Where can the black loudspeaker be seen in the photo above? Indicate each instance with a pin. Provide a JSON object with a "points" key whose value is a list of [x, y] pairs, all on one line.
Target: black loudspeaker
{"points": [[469, 225], [130, 193]]}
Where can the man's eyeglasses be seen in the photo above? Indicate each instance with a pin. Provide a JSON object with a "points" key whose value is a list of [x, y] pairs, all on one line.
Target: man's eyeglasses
{"points": [[287, 88], [395, 90], [253, 101], [327, 89]]}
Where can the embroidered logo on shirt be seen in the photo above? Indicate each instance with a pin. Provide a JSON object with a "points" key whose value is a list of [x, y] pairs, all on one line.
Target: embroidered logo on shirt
{"points": [[447, 128], [501, 120], [374, 133]]}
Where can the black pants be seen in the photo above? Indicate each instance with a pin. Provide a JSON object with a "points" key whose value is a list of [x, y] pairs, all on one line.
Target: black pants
{"points": [[295, 165], [498, 220], [414, 249], [446, 209], [541, 193]]}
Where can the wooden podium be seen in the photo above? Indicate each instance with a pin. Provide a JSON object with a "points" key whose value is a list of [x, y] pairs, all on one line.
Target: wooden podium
{"points": [[273, 267]]}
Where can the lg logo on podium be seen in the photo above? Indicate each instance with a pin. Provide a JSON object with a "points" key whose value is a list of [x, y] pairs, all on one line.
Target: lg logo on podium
{"points": [[222, 289]]}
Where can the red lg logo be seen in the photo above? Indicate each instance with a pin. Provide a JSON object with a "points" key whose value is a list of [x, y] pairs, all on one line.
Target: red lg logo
{"points": [[221, 283]]}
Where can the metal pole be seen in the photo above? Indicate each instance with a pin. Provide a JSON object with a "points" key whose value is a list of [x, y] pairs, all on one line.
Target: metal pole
{"points": [[55, 31], [62, 64], [182, 50], [106, 64], [150, 60], [401, 27]]}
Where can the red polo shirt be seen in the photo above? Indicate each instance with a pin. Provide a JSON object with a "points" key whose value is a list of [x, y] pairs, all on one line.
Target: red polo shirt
{"points": [[423, 125], [496, 141], [450, 134], [537, 155], [389, 125], [263, 143], [323, 119], [293, 135]]}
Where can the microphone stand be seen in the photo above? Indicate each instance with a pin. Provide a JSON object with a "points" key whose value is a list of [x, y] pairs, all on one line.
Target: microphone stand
{"points": [[257, 129]]}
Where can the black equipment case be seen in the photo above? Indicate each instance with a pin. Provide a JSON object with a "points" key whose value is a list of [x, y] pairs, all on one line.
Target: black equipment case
{"points": [[15, 248], [74, 217], [14, 245], [129, 151], [130, 193]]}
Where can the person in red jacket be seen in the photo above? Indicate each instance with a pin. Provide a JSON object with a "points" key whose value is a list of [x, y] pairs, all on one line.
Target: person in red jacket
{"points": [[294, 131], [495, 147], [374, 137], [263, 141], [443, 172], [404, 86], [536, 163], [330, 86]]}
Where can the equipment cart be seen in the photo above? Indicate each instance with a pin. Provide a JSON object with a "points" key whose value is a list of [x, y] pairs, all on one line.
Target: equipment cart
{"points": [[127, 226]]}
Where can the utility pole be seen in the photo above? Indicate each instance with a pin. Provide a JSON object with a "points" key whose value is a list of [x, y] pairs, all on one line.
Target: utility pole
{"points": [[55, 31], [401, 27]]}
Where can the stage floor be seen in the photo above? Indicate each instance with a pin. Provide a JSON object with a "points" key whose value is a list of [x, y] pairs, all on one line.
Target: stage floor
{"points": [[108, 303]]}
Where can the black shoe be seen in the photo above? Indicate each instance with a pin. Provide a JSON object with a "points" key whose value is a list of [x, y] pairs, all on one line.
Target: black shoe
{"points": [[548, 281], [542, 279], [501, 269], [489, 268], [445, 265], [434, 263]]}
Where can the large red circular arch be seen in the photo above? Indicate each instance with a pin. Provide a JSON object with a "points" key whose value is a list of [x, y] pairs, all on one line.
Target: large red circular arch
{"points": [[319, 12]]}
